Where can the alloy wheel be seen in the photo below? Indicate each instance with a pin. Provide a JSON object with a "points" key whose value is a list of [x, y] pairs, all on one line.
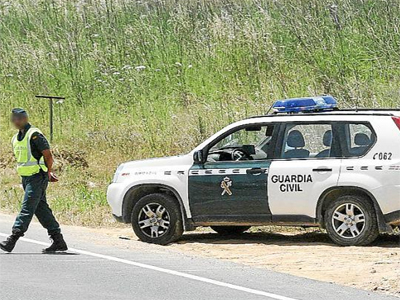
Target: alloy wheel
{"points": [[154, 220], [348, 220]]}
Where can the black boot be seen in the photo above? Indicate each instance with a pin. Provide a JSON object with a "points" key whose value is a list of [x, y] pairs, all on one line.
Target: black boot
{"points": [[9, 244], [57, 245]]}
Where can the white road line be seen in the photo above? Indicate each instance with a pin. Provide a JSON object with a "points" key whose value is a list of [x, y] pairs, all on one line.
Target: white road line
{"points": [[167, 271]]}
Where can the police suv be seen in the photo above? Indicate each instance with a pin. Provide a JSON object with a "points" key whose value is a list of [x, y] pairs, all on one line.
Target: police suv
{"points": [[307, 164]]}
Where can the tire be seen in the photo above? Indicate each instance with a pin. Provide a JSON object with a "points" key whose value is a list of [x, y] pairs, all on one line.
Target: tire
{"points": [[230, 230], [152, 224], [359, 230]]}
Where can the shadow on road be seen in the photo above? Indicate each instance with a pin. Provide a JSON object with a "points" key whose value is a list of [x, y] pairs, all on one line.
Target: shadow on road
{"points": [[39, 253], [267, 238]]}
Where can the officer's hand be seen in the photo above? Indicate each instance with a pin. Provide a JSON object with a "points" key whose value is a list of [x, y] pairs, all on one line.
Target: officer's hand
{"points": [[52, 177]]}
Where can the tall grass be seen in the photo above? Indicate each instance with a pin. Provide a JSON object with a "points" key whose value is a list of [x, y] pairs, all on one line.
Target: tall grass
{"points": [[152, 78]]}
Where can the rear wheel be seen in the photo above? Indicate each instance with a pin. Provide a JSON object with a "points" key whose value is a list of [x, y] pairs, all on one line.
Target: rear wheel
{"points": [[156, 218], [351, 221], [230, 230]]}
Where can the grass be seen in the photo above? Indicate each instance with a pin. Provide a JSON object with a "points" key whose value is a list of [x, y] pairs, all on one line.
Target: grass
{"points": [[154, 78]]}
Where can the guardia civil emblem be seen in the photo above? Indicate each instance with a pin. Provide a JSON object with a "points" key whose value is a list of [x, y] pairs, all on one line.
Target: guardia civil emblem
{"points": [[226, 183]]}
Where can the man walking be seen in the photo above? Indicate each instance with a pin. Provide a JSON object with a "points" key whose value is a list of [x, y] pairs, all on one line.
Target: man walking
{"points": [[34, 165]]}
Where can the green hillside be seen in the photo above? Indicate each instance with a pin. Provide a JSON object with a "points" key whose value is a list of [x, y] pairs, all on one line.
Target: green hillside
{"points": [[153, 78]]}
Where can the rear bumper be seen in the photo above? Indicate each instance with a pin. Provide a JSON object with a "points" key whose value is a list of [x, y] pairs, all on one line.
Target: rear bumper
{"points": [[393, 218]]}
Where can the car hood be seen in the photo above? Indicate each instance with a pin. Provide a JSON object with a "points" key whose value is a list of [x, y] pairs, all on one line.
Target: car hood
{"points": [[171, 161]]}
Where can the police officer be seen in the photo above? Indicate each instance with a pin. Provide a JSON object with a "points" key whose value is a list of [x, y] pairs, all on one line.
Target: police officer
{"points": [[34, 165]]}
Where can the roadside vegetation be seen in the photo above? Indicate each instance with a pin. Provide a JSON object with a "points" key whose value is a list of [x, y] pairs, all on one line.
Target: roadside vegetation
{"points": [[154, 78]]}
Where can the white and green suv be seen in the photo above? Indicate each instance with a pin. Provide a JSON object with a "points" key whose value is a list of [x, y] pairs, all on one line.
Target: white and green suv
{"points": [[307, 164]]}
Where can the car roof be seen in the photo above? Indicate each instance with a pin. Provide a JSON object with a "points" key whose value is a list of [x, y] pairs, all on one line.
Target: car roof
{"points": [[340, 112]]}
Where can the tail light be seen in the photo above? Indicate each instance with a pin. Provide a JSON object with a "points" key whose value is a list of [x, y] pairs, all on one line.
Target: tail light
{"points": [[397, 121]]}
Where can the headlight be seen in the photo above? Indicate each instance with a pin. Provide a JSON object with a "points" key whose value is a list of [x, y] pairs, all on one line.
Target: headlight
{"points": [[118, 172]]}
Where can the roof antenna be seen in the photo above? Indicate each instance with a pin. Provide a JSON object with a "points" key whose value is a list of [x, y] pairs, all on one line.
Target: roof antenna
{"points": [[357, 104], [270, 108]]}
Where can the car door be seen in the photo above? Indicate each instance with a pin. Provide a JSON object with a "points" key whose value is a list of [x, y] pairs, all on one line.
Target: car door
{"points": [[308, 163], [227, 189]]}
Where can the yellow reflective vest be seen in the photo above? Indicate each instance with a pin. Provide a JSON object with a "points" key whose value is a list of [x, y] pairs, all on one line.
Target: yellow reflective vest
{"points": [[27, 165]]}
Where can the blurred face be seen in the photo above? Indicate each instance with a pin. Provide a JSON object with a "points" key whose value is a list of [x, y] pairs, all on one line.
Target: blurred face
{"points": [[19, 122]]}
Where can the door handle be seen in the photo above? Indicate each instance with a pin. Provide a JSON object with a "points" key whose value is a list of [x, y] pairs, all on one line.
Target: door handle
{"points": [[255, 171], [322, 170]]}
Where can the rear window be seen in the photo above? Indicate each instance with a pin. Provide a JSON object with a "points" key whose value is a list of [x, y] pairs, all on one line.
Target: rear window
{"points": [[312, 140], [326, 140], [357, 140]]}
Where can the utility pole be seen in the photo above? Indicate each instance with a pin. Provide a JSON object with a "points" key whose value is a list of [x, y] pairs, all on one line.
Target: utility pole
{"points": [[51, 98]]}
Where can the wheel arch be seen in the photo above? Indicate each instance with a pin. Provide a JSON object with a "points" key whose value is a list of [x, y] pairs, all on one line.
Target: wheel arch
{"points": [[337, 191], [135, 193]]}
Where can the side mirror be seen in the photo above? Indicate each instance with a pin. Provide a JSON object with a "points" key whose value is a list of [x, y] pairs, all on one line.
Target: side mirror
{"points": [[198, 157]]}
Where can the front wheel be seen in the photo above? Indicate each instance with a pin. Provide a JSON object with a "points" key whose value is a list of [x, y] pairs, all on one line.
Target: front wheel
{"points": [[351, 221], [156, 218], [230, 230]]}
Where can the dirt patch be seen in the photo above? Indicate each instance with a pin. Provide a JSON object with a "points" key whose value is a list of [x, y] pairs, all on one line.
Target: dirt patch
{"points": [[307, 254], [6, 160], [74, 158]]}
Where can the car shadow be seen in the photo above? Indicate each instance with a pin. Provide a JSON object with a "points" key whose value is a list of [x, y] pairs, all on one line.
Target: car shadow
{"points": [[268, 238]]}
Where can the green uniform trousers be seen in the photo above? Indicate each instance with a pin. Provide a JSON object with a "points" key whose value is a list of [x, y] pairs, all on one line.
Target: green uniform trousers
{"points": [[35, 203]]}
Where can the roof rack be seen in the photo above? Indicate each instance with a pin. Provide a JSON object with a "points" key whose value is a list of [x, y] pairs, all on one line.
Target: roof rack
{"points": [[338, 112], [370, 109]]}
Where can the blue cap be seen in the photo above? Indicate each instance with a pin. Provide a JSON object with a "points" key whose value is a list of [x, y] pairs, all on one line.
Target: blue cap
{"points": [[306, 104], [19, 112]]}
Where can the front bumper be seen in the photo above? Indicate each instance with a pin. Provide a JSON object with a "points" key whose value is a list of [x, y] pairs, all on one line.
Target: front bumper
{"points": [[115, 198]]}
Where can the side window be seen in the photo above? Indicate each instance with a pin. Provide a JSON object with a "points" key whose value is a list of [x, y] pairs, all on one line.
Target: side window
{"points": [[360, 139], [249, 143], [308, 141]]}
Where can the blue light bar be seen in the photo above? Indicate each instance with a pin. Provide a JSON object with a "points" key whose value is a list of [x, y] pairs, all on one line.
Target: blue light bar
{"points": [[307, 104]]}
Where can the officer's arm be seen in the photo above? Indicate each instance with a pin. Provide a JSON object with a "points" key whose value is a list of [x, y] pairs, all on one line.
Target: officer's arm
{"points": [[41, 144], [48, 159]]}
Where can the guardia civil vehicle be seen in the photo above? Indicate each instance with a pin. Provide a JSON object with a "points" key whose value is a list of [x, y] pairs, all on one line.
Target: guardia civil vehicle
{"points": [[307, 164]]}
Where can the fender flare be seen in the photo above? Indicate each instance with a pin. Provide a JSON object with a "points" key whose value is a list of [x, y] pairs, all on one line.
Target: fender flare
{"points": [[383, 227], [126, 205]]}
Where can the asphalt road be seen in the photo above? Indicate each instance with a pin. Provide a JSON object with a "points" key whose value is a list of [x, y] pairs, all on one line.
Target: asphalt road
{"points": [[93, 271]]}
